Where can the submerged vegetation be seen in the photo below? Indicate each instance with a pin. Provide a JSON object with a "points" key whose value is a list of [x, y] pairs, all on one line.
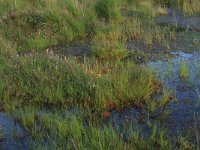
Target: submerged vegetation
{"points": [[64, 101]]}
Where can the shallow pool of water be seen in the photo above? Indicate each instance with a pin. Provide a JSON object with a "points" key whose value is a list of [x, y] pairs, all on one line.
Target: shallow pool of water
{"points": [[14, 135], [186, 91]]}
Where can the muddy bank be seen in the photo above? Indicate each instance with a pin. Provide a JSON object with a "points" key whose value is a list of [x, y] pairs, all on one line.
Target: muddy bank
{"points": [[176, 18], [186, 38], [187, 41]]}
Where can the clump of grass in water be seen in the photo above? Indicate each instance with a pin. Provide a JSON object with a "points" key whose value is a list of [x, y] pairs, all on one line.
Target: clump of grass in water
{"points": [[170, 70], [185, 143], [184, 71], [71, 132], [1, 134], [108, 46], [58, 131]]}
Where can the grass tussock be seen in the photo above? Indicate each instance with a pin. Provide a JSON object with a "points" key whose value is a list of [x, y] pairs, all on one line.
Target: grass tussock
{"points": [[1, 134], [184, 71], [109, 46], [108, 9], [47, 79]]}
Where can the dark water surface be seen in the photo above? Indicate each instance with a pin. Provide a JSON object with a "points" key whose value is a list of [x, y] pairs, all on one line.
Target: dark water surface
{"points": [[14, 135]]}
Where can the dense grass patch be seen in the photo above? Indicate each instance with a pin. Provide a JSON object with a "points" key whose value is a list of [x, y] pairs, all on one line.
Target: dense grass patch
{"points": [[109, 46], [184, 71], [191, 7], [41, 24], [46, 22], [108, 9], [47, 79], [7, 51]]}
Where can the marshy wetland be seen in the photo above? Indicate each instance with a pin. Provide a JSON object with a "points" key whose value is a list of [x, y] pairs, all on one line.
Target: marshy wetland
{"points": [[100, 74]]}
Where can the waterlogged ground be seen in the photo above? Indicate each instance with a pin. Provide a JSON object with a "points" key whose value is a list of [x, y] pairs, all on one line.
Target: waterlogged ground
{"points": [[183, 109], [181, 114], [179, 74], [185, 105], [178, 19]]}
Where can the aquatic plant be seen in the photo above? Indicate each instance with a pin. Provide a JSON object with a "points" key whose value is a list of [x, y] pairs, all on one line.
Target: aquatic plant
{"points": [[1, 134], [170, 70], [184, 71], [71, 132]]}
